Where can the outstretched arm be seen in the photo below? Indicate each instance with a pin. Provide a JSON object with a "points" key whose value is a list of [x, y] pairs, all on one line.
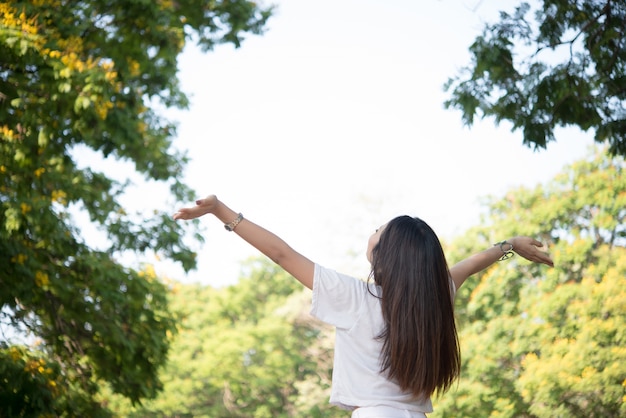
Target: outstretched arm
{"points": [[263, 240], [524, 246]]}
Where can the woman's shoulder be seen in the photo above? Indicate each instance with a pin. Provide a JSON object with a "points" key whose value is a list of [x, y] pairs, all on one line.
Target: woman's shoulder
{"points": [[334, 277], [338, 298]]}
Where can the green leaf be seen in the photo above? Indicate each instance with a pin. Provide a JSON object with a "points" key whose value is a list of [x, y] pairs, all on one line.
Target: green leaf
{"points": [[12, 222], [81, 103], [64, 87], [42, 139]]}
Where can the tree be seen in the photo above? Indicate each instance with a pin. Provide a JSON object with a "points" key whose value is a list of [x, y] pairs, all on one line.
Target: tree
{"points": [[565, 68], [248, 350], [536, 342], [78, 75], [549, 343]]}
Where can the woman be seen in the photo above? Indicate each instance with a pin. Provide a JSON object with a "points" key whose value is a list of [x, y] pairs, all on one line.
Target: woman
{"points": [[396, 342]]}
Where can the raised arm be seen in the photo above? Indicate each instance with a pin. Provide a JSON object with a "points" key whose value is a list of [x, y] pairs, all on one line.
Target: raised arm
{"points": [[263, 240], [524, 246]]}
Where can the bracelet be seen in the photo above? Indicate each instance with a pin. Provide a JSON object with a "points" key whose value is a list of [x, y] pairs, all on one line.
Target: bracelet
{"points": [[231, 226], [506, 254]]}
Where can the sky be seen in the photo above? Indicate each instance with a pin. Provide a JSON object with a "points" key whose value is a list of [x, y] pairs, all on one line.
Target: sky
{"points": [[332, 122]]}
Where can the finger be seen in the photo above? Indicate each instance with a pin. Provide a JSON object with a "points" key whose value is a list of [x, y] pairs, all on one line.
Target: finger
{"points": [[546, 260], [181, 214]]}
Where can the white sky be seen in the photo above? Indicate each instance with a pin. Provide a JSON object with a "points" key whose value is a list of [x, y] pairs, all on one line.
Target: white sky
{"points": [[332, 122]]}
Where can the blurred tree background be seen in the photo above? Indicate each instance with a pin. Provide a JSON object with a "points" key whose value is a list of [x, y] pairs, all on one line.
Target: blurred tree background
{"points": [[536, 341], [540, 342], [112, 340], [91, 75]]}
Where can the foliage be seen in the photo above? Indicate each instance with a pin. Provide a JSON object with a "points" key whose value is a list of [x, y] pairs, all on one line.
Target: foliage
{"points": [[28, 384], [90, 75], [549, 343], [565, 67], [536, 341], [248, 350]]}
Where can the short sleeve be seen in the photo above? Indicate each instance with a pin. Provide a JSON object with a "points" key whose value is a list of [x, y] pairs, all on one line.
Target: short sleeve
{"points": [[337, 298]]}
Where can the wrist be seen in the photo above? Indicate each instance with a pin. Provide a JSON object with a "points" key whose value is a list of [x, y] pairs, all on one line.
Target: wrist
{"points": [[506, 247], [230, 226]]}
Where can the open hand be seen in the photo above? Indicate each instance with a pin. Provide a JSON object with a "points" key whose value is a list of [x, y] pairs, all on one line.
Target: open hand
{"points": [[203, 206], [529, 249]]}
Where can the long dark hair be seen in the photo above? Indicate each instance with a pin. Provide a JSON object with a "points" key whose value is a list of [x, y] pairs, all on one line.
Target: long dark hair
{"points": [[420, 343]]}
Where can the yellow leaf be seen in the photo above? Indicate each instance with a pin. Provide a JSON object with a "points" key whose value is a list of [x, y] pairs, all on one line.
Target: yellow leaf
{"points": [[59, 196], [41, 279], [25, 208]]}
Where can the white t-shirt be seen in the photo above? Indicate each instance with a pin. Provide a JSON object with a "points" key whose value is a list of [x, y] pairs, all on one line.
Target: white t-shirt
{"points": [[346, 303]]}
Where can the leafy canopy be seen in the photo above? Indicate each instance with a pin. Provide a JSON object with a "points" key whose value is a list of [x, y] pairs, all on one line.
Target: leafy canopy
{"points": [[90, 75], [559, 63], [540, 342]]}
